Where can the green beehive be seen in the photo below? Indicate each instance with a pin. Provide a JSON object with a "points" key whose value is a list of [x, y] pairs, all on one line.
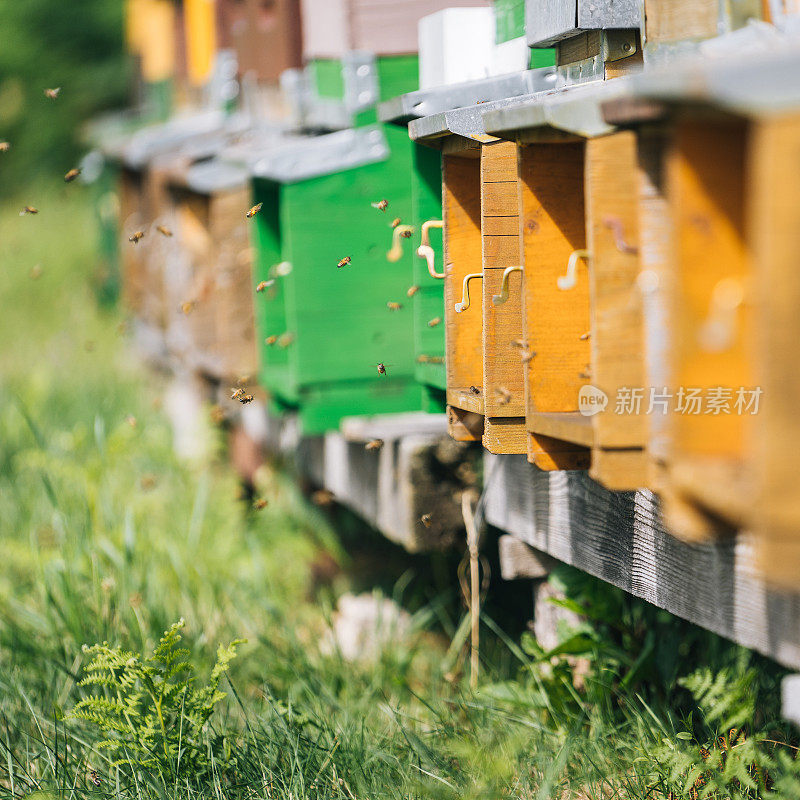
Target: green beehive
{"points": [[322, 329]]}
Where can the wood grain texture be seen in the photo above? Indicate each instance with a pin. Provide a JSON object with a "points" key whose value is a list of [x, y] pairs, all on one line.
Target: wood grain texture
{"points": [[673, 20], [617, 340], [505, 435], [620, 537], [774, 213], [462, 256]]}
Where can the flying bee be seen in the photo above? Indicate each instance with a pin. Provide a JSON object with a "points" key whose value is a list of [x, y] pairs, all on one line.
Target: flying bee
{"points": [[254, 210], [426, 520], [382, 205], [396, 221], [285, 340], [94, 778], [52, 94], [5, 147], [270, 340], [243, 380], [375, 444], [245, 399], [136, 237], [237, 394], [264, 285], [381, 367], [260, 503], [344, 262], [164, 231], [504, 396], [188, 306], [71, 175], [434, 322], [474, 390], [412, 290], [393, 306], [28, 210]]}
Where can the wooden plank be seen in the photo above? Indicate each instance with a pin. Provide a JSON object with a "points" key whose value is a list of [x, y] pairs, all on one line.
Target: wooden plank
{"points": [[674, 20], [566, 426], [464, 426], [520, 560], [548, 453], [470, 399], [620, 538], [462, 255], [620, 469], [505, 435], [774, 215], [616, 311]]}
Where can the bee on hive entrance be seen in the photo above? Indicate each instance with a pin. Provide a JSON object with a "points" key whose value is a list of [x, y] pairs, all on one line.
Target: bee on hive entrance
{"points": [[375, 444], [260, 503], [381, 367], [434, 322], [412, 290], [136, 237], [164, 231], [396, 221], [28, 210], [52, 94], [426, 520], [5, 147], [71, 175], [393, 306], [344, 262], [382, 205], [270, 340], [254, 210]]}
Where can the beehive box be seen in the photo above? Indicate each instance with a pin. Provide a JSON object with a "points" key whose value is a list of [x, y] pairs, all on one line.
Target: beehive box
{"points": [[265, 34], [582, 343], [323, 329]]}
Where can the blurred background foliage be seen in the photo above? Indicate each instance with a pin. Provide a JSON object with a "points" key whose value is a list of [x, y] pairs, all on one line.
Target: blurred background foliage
{"points": [[76, 45]]}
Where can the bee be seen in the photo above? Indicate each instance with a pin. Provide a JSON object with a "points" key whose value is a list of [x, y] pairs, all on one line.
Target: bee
{"points": [[254, 210], [264, 285], [412, 290], [28, 210], [71, 175], [395, 222], [586, 374], [381, 367], [260, 503], [406, 234], [375, 444], [237, 394], [188, 306], [382, 205], [270, 340], [243, 380], [520, 343], [504, 396], [246, 398], [5, 147], [285, 340], [423, 359], [148, 482], [164, 231], [322, 497], [426, 520], [584, 336], [131, 420], [474, 390], [52, 94], [393, 306], [434, 322], [344, 262], [136, 237], [36, 272], [93, 777]]}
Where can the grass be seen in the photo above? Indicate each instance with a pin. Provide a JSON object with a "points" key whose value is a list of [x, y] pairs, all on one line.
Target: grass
{"points": [[106, 537]]}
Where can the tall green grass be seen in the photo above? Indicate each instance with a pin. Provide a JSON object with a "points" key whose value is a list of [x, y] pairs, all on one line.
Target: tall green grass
{"points": [[106, 537]]}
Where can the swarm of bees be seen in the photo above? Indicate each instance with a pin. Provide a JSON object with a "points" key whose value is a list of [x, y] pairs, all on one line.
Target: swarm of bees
{"points": [[393, 306], [375, 444], [52, 94], [344, 262], [71, 175], [136, 237], [164, 230], [254, 210], [382, 205], [28, 210]]}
